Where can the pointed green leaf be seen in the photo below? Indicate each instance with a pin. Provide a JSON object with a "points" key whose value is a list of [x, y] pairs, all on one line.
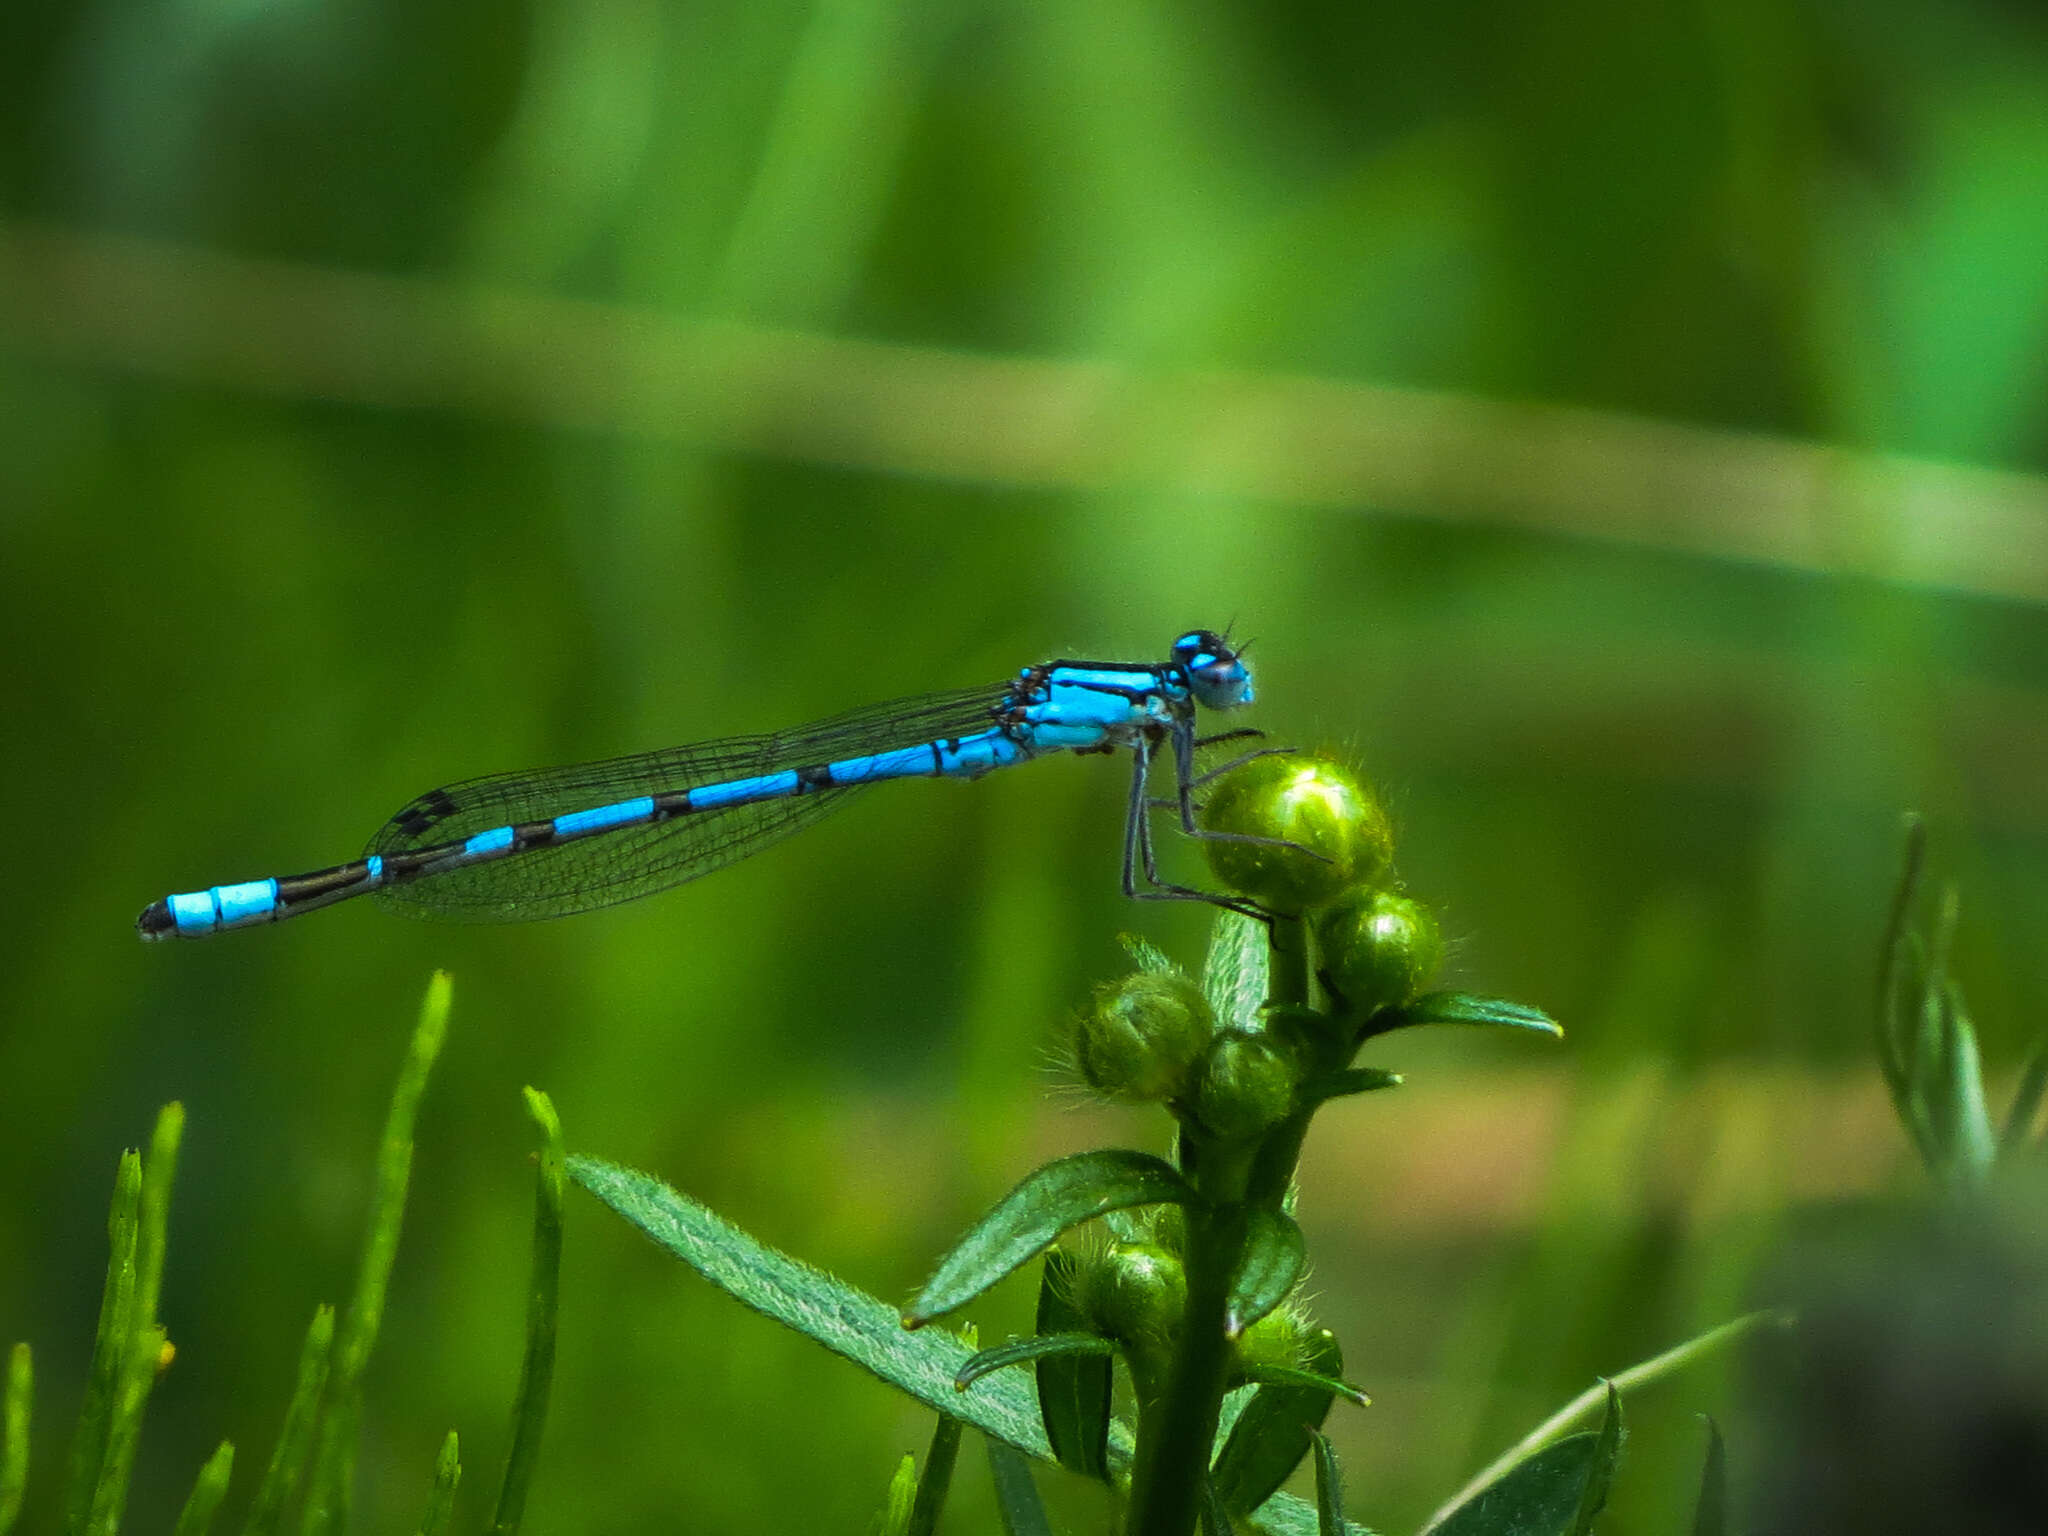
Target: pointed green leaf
{"points": [[1463, 1008], [14, 1418], [1894, 963], [1711, 1517], [1273, 1255], [295, 1440], [2026, 1099], [843, 1318], [1352, 1080], [110, 1345], [208, 1489], [1329, 1491], [441, 1498], [937, 1478], [1973, 1146], [1600, 1474], [1038, 1347], [543, 1290], [1536, 1497], [894, 1519], [1271, 1436], [330, 1484], [1293, 1376], [1073, 1390], [1017, 1500], [1026, 1221]]}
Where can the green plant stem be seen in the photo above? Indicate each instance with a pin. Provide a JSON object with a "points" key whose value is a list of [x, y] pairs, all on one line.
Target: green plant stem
{"points": [[1177, 1426]]}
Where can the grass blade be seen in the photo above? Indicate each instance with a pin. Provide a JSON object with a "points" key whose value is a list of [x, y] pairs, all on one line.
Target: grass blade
{"points": [[146, 1352], [2026, 1099], [1600, 1473], [327, 1494], [1711, 1516], [14, 1418], [208, 1489], [295, 1440], [1329, 1489], [441, 1500], [543, 1292], [89, 1445]]}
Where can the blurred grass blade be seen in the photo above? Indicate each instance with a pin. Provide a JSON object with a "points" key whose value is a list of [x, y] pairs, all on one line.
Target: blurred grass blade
{"points": [[894, 1520], [1676, 1358], [295, 1441], [89, 1445], [1274, 1253], [1026, 1221], [1463, 1008], [1271, 1435], [1972, 1144], [2026, 1099], [1892, 1052], [1017, 1501], [1710, 1517], [543, 1291], [441, 1498], [1074, 1390], [1536, 1497], [208, 1489], [1038, 1347], [1329, 1490], [328, 1493], [14, 1422], [1600, 1475], [1234, 973], [846, 1320], [936, 1481], [146, 1351]]}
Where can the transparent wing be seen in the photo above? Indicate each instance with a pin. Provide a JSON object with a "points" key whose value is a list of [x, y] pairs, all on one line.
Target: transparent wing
{"points": [[612, 867]]}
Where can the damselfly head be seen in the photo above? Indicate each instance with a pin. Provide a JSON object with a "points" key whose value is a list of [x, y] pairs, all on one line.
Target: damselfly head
{"points": [[1216, 674]]}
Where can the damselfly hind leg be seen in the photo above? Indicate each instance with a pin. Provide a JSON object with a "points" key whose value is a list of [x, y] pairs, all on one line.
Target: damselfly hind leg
{"points": [[1138, 852]]}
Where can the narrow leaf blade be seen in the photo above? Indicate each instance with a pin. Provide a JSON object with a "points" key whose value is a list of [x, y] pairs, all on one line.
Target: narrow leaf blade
{"points": [[1329, 1490], [1017, 1500], [1711, 1517], [208, 1489], [1039, 1347], [1535, 1497], [1271, 1436], [1600, 1474], [848, 1321], [937, 1478], [1073, 1390], [1464, 1008], [1026, 1221]]}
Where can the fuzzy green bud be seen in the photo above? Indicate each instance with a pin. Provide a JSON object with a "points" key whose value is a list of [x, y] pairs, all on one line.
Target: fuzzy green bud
{"points": [[1246, 1087], [1142, 1036], [1275, 1339], [1339, 833], [1378, 951], [1133, 1292]]}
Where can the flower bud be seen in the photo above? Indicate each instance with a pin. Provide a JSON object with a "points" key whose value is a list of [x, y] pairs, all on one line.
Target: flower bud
{"points": [[1339, 834], [1378, 951], [1142, 1036], [1133, 1292], [1246, 1087]]}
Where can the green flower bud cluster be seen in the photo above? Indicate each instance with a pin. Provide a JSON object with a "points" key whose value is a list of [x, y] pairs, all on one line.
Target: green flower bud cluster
{"points": [[1152, 1038], [1327, 855]]}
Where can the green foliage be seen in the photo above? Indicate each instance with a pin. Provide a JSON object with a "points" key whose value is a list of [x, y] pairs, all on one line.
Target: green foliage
{"points": [[1927, 1046], [1073, 1387]]}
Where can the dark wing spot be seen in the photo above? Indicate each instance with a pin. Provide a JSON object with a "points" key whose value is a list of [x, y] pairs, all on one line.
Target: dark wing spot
{"points": [[425, 813]]}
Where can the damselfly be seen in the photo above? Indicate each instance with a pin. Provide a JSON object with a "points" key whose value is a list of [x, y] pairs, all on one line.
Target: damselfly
{"points": [[514, 846]]}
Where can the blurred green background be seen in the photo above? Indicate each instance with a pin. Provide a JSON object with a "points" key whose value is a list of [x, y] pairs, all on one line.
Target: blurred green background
{"points": [[1623, 428]]}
